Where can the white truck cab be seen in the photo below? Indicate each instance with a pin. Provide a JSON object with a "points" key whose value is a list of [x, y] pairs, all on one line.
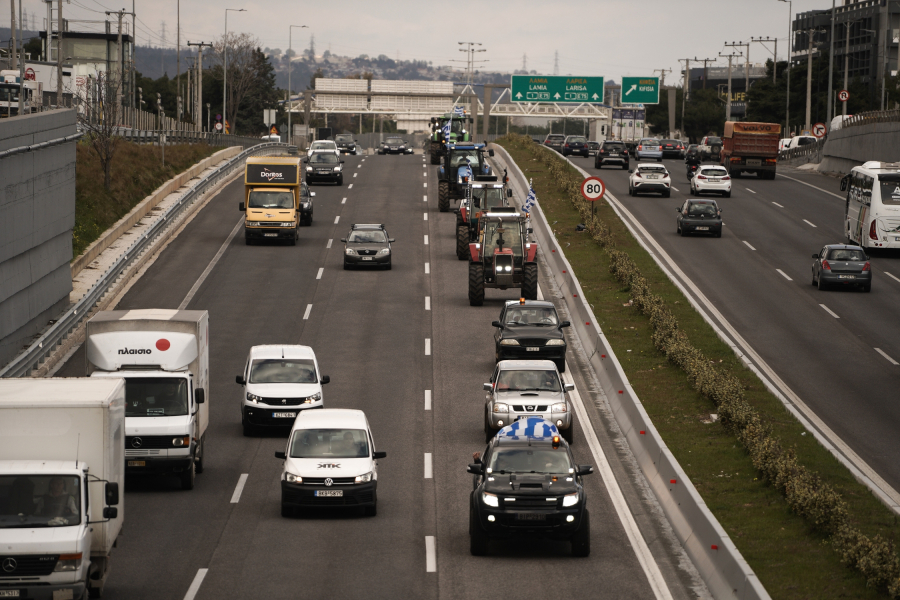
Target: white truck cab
{"points": [[163, 355]]}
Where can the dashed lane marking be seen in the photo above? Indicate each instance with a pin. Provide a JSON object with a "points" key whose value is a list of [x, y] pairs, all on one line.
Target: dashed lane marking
{"points": [[425, 184], [778, 205], [425, 198], [427, 399], [749, 190], [430, 554], [808, 223], [344, 201], [306, 314], [328, 245], [429, 473], [748, 245], [892, 277], [829, 311], [427, 302], [424, 216], [236, 496], [884, 354], [427, 346], [427, 268], [336, 219], [350, 187], [319, 274], [783, 274], [426, 240]]}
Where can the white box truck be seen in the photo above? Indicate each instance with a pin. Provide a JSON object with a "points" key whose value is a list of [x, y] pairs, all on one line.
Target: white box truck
{"points": [[163, 355], [62, 452]]}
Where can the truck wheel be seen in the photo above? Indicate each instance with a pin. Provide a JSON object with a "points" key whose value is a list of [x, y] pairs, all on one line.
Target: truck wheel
{"points": [[187, 478], [435, 158], [478, 539], [476, 284], [443, 196], [530, 281], [462, 242], [202, 452], [581, 541]]}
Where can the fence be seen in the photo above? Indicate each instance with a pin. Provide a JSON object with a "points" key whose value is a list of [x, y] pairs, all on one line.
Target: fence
{"points": [[810, 153], [874, 116]]}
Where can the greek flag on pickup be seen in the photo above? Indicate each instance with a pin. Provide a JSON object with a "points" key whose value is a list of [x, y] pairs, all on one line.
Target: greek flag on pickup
{"points": [[531, 199]]}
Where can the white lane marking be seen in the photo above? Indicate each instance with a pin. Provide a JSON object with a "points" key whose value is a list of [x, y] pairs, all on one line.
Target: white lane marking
{"points": [[884, 354], [427, 268], [344, 201], [430, 555], [355, 174], [748, 245], [429, 471], [812, 186], [336, 219], [778, 205], [425, 198], [350, 187], [328, 245], [783, 274], [306, 314], [892, 277], [829, 311], [749, 190], [426, 240], [427, 399], [427, 302], [425, 184], [195, 584], [675, 188], [319, 274], [210, 266], [808, 223], [427, 346], [424, 216], [236, 496]]}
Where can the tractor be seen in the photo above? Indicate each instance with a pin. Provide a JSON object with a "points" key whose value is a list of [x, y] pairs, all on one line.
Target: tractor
{"points": [[484, 194], [502, 256], [462, 164], [458, 133]]}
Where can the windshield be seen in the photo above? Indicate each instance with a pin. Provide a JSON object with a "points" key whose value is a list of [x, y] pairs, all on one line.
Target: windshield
{"points": [[329, 443], [457, 126], [527, 460], [714, 141], [613, 146], [39, 501], [714, 172], [156, 397], [459, 157], [528, 381], [343, 138], [394, 141], [704, 209], [890, 191], [322, 146], [657, 170], [324, 158], [487, 197], [649, 142], [271, 200], [577, 139], [847, 255], [283, 370], [670, 142], [497, 235], [373, 236], [526, 315]]}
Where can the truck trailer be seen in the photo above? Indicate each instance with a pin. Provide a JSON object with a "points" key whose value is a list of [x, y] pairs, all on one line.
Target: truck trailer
{"points": [[750, 148]]}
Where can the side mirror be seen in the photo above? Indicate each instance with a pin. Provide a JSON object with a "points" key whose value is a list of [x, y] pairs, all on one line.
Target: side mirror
{"points": [[677, 209], [344, 240], [815, 256], [565, 324], [391, 240], [280, 455], [631, 171], [491, 152], [112, 494], [110, 512], [325, 379], [584, 470], [529, 230], [844, 184], [239, 379], [487, 387], [342, 162], [379, 455], [199, 395], [569, 387], [497, 324], [241, 207], [475, 469], [509, 193]]}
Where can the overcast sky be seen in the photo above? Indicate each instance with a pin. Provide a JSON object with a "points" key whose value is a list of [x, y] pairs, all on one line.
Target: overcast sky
{"points": [[609, 38]]}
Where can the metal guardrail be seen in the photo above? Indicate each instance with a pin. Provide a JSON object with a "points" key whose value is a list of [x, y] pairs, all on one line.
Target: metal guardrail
{"points": [[873, 116], [31, 358], [181, 136], [813, 151], [41, 145]]}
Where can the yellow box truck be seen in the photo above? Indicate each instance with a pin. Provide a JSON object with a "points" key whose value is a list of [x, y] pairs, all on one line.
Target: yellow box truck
{"points": [[276, 202]]}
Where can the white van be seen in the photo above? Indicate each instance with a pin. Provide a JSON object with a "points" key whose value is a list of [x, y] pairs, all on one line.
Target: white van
{"points": [[279, 383], [872, 214], [271, 138], [330, 461]]}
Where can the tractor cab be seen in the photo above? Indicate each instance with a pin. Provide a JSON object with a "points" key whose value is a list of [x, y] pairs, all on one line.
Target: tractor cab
{"points": [[483, 195], [459, 132], [502, 256], [462, 165]]}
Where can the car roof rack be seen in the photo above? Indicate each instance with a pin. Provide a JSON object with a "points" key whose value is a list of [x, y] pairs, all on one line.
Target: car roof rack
{"points": [[367, 226]]}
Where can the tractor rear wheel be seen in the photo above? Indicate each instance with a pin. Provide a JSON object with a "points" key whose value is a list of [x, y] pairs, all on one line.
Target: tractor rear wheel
{"points": [[530, 281], [443, 196], [435, 157], [476, 284], [462, 242]]}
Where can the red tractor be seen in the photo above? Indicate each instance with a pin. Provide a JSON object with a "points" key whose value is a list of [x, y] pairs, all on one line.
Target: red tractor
{"points": [[483, 195], [502, 256]]}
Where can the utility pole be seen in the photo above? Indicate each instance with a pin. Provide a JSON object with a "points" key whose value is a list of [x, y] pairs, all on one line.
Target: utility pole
{"points": [[59, 53], [198, 97], [290, 132], [178, 59], [831, 67], [787, 110], [763, 41], [705, 62], [728, 104], [847, 24], [12, 26], [809, 33], [119, 61], [662, 78]]}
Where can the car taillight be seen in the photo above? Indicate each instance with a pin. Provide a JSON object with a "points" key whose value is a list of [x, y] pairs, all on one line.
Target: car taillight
{"points": [[872, 234], [637, 174], [866, 267], [639, 148], [825, 265], [726, 178], [567, 145], [701, 176]]}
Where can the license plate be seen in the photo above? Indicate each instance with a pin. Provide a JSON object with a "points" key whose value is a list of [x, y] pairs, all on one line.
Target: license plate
{"points": [[714, 180], [329, 493], [133, 463], [846, 276], [703, 229], [652, 177], [366, 258], [753, 162], [533, 349], [9, 593], [531, 517], [528, 416], [283, 415], [270, 235]]}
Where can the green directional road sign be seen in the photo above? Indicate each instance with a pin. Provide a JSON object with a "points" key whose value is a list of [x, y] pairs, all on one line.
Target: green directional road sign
{"points": [[640, 90], [546, 88]]}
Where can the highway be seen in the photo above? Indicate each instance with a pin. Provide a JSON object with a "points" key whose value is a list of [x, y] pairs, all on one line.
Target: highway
{"points": [[836, 349], [405, 347]]}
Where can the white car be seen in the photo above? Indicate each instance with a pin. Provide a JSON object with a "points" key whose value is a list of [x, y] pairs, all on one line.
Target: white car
{"points": [[649, 177], [783, 143], [330, 461], [322, 146], [711, 179], [800, 140], [279, 383]]}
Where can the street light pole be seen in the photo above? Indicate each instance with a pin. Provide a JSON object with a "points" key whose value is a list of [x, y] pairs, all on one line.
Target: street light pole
{"points": [[291, 68], [831, 67], [225, 69], [787, 112], [846, 65]]}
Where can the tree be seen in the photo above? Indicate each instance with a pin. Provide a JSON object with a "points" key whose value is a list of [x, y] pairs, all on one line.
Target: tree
{"points": [[264, 95], [100, 118], [242, 74]]}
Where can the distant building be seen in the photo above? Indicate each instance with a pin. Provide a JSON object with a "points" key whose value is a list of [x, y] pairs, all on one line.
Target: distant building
{"points": [[716, 78]]}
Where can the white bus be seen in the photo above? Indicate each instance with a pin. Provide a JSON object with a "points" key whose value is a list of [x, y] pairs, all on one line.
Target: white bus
{"points": [[872, 214]]}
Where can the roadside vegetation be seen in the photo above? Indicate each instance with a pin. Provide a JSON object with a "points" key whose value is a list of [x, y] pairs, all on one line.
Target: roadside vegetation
{"points": [[136, 172], [803, 523]]}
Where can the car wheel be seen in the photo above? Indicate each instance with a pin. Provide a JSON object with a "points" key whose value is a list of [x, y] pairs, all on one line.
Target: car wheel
{"points": [[249, 430], [581, 541], [867, 288], [340, 181], [820, 284], [288, 511], [814, 277], [667, 194], [726, 195], [625, 167], [478, 539], [718, 234], [346, 267], [187, 477], [387, 267], [568, 434]]}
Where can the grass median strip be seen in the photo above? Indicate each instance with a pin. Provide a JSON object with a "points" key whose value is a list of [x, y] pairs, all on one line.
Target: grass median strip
{"points": [[795, 513]]}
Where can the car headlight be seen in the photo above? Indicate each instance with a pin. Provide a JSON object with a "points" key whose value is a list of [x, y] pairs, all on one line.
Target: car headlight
{"points": [[251, 224], [68, 562], [556, 343], [364, 478], [308, 169], [384, 251], [500, 408], [570, 499], [336, 169], [291, 478], [559, 407], [314, 398], [181, 441], [253, 398], [509, 342], [490, 499], [286, 224], [350, 252]]}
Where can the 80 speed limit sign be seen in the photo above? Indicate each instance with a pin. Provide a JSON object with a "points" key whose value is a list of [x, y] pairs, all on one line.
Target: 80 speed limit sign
{"points": [[592, 188]]}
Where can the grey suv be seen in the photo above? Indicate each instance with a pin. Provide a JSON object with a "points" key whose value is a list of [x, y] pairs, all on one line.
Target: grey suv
{"points": [[527, 388], [367, 245]]}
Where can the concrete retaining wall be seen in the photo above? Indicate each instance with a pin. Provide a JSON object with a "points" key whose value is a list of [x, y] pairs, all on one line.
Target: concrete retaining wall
{"points": [[852, 146], [37, 214]]}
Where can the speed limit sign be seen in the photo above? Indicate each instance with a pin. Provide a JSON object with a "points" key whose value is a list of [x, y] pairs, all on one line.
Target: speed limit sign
{"points": [[592, 188], [843, 95]]}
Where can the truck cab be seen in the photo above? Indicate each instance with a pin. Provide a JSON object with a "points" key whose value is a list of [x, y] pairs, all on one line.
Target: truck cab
{"points": [[274, 199]]}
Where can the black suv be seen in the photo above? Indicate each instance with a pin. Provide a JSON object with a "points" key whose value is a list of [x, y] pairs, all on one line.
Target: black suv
{"points": [[324, 166], [671, 148], [576, 144], [528, 485], [367, 245], [611, 153], [555, 141], [530, 330], [393, 145], [346, 144]]}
